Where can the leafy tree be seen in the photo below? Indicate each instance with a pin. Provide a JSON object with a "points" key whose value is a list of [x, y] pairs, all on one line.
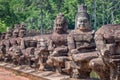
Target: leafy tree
{"points": [[40, 14], [2, 26]]}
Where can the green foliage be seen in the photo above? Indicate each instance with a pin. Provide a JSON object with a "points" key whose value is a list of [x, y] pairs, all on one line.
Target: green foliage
{"points": [[3, 26], [41, 13], [94, 75]]}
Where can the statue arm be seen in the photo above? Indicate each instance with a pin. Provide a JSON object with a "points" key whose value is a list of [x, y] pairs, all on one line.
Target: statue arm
{"points": [[71, 45], [61, 49], [70, 41], [86, 47], [102, 47], [22, 44], [51, 45]]}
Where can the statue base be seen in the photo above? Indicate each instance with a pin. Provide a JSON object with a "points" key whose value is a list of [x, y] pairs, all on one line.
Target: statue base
{"points": [[32, 74], [36, 75]]}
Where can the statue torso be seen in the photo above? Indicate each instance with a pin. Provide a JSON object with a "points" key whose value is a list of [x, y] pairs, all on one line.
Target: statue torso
{"points": [[85, 39], [59, 40], [109, 34]]}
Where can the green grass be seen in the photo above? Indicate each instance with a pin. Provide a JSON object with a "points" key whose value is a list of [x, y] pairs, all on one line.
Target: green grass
{"points": [[94, 75]]}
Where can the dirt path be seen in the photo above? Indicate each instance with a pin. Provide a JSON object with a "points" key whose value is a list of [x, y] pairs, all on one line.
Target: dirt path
{"points": [[6, 75]]}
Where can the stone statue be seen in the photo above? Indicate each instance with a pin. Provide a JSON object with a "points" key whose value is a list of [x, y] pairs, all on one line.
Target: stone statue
{"points": [[7, 43], [22, 31], [29, 56], [14, 39], [8, 33], [28, 46], [107, 65], [2, 36], [81, 45], [41, 53], [2, 50], [15, 54], [2, 46], [58, 43], [15, 51]]}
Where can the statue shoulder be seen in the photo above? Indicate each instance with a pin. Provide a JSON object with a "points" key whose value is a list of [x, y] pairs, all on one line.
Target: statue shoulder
{"points": [[91, 32], [72, 32]]}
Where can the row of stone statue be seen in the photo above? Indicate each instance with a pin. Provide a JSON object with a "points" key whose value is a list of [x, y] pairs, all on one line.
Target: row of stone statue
{"points": [[77, 54]]}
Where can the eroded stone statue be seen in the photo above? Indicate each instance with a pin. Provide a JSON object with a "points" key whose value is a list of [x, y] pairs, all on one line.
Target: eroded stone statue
{"points": [[2, 36], [2, 47], [28, 46], [41, 53], [7, 43], [15, 51], [107, 65], [58, 44], [22, 31], [81, 45], [2, 50]]}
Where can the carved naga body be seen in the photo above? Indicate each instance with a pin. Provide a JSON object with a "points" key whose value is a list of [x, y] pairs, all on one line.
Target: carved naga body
{"points": [[108, 43]]}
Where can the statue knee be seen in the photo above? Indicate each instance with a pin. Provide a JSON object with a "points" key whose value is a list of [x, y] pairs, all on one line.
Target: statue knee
{"points": [[97, 64], [92, 64], [55, 53]]}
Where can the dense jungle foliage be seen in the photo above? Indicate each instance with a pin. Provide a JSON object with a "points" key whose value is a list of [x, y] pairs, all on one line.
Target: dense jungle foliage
{"points": [[40, 14]]}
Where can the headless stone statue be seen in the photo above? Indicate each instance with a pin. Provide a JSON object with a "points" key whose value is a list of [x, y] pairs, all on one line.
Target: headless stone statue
{"points": [[7, 43], [41, 53]]}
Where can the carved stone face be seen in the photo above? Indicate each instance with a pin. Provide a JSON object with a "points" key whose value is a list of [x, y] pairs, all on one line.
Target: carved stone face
{"points": [[22, 33], [8, 35], [22, 26], [58, 28], [15, 34], [60, 24], [16, 26], [83, 23]]}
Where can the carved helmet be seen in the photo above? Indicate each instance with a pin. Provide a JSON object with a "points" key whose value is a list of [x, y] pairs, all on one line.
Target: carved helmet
{"points": [[60, 23], [22, 31], [82, 17], [8, 33], [15, 32]]}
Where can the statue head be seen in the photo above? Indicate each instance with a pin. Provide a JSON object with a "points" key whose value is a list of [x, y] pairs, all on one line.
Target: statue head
{"points": [[8, 33], [42, 44], [60, 24], [22, 26], [16, 32], [2, 36], [16, 26], [82, 21], [22, 31]]}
